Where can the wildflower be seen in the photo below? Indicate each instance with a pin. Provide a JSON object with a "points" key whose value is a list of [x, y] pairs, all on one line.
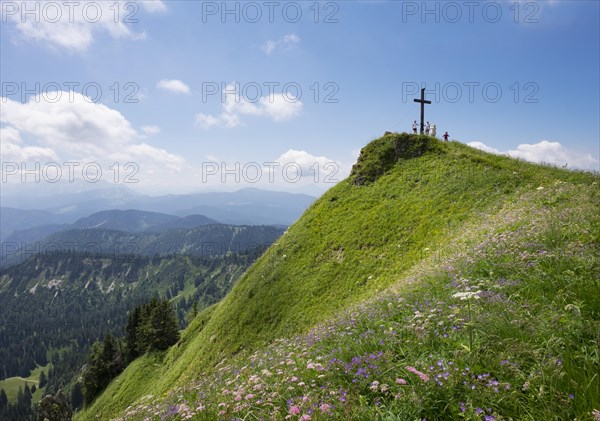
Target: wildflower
{"points": [[374, 386], [294, 410], [422, 376], [467, 295], [401, 381], [305, 417], [324, 408]]}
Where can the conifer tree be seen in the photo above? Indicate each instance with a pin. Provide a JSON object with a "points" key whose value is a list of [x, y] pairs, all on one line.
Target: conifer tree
{"points": [[164, 326], [3, 400], [131, 340], [43, 379]]}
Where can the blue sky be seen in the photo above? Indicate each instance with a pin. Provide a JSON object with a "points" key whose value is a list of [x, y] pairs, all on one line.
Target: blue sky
{"points": [[510, 77]]}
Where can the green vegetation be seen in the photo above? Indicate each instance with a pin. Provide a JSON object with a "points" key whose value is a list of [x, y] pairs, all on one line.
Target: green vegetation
{"points": [[446, 283], [21, 407], [12, 385], [151, 327], [37, 378]]}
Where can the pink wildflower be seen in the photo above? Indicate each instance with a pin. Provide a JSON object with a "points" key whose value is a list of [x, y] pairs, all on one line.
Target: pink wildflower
{"points": [[325, 408], [401, 381], [423, 376], [294, 410]]}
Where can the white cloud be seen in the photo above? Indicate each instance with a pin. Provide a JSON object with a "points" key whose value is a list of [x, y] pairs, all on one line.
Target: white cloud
{"points": [[547, 152], [75, 128], [174, 85], [307, 162], [145, 152], [484, 147], [224, 119], [72, 26], [150, 130], [285, 43], [318, 171], [154, 6], [269, 47], [278, 107], [13, 151], [72, 123]]}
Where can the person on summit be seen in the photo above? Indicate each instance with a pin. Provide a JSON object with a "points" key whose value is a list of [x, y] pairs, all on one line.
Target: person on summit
{"points": [[427, 127], [415, 126], [446, 136]]}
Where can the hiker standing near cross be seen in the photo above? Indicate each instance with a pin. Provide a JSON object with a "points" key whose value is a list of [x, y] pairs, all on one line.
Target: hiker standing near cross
{"points": [[423, 102]]}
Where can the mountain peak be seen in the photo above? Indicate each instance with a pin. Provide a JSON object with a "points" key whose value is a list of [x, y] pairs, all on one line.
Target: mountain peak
{"points": [[382, 154]]}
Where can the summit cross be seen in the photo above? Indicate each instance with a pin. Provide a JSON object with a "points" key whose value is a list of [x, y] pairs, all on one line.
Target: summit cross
{"points": [[423, 102]]}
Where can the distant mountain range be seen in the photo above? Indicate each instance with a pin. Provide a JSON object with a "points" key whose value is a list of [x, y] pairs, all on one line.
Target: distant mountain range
{"points": [[131, 221], [243, 207]]}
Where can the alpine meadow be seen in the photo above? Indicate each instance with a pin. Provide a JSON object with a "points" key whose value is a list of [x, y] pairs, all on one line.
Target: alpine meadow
{"points": [[436, 282]]}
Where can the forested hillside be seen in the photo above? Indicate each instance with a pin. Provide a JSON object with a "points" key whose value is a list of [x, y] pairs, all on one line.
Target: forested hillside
{"points": [[208, 240], [56, 305]]}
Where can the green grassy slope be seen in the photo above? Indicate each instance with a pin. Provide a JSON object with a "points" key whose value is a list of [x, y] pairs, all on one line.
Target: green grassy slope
{"points": [[410, 204]]}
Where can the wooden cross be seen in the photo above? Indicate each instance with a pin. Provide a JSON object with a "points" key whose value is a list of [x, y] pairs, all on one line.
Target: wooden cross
{"points": [[423, 102]]}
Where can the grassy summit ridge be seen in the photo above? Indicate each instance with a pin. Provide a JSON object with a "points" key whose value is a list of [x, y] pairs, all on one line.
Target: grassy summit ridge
{"points": [[417, 222]]}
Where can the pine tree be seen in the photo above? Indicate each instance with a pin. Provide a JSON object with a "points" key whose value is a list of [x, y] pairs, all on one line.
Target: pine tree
{"points": [[145, 332], [43, 379], [164, 326], [3, 400], [111, 360], [77, 396], [91, 374], [131, 340], [195, 309]]}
